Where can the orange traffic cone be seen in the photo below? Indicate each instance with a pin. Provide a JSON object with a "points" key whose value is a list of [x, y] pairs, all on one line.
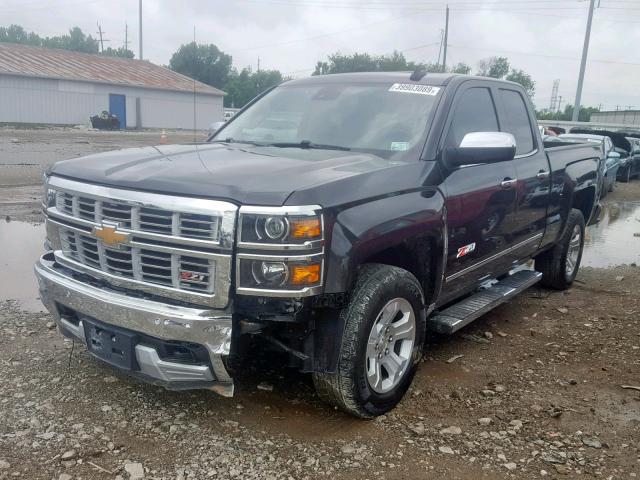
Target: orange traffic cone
{"points": [[163, 138]]}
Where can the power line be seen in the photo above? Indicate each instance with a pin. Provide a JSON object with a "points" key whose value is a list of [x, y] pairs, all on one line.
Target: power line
{"points": [[418, 6], [323, 35], [559, 57]]}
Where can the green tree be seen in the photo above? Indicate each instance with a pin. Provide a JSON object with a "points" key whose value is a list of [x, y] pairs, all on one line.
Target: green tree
{"points": [[462, 68], [494, 67], [500, 67], [567, 114], [524, 79], [75, 40], [118, 52], [206, 63], [364, 62], [242, 87]]}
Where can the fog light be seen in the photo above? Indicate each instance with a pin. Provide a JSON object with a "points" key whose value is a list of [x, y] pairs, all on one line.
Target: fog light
{"points": [[273, 274], [302, 275]]}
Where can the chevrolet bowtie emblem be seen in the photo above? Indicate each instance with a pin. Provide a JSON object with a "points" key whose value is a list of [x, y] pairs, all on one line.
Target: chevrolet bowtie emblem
{"points": [[109, 235]]}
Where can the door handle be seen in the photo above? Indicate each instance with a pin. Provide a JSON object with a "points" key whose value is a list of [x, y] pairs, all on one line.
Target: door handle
{"points": [[508, 183], [542, 175]]}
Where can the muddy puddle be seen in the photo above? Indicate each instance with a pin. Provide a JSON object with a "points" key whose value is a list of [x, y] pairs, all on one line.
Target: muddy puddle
{"points": [[611, 242], [616, 239], [20, 246]]}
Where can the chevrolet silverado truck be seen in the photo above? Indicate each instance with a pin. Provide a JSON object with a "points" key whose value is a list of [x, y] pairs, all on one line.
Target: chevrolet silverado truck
{"points": [[338, 219]]}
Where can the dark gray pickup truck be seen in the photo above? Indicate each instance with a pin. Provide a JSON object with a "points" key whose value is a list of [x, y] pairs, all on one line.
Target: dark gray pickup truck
{"points": [[337, 218]]}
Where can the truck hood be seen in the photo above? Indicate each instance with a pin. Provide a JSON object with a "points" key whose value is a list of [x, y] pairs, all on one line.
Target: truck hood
{"points": [[240, 173]]}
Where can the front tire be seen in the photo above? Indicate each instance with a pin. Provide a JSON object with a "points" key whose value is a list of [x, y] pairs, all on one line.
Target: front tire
{"points": [[559, 266], [385, 327]]}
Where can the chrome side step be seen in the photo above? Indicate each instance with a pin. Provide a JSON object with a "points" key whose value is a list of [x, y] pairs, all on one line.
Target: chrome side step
{"points": [[466, 311]]}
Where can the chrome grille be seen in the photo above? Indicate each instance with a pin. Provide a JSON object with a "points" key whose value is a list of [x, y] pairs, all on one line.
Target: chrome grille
{"points": [[171, 246], [144, 219], [145, 264]]}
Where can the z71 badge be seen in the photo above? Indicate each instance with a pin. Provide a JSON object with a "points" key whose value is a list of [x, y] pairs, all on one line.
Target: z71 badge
{"points": [[466, 250]]}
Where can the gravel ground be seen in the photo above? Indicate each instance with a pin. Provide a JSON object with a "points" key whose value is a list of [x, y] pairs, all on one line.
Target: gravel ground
{"points": [[533, 389]]}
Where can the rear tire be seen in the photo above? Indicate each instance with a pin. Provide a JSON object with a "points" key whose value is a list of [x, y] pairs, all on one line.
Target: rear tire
{"points": [[559, 266], [385, 327]]}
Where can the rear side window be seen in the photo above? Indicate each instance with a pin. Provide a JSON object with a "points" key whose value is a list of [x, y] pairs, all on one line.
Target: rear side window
{"points": [[517, 120], [475, 112]]}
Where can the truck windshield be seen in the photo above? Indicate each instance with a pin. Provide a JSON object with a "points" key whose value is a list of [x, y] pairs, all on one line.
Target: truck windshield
{"points": [[381, 118]]}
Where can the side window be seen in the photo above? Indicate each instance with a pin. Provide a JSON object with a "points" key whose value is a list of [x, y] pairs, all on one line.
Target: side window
{"points": [[517, 120], [475, 112]]}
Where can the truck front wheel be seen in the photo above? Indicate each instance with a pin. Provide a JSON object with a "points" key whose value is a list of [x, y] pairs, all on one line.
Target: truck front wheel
{"points": [[559, 266], [384, 333]]}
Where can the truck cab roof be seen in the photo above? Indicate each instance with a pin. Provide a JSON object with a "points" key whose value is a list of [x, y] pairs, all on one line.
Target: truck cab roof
{"points": [[433, 79]]}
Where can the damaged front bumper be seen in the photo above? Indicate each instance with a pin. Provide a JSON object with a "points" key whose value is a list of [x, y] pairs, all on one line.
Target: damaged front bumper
{"points": [[148, 329]]}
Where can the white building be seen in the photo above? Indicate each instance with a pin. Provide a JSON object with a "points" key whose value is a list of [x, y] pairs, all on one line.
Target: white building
{"points": [[41, 85]]}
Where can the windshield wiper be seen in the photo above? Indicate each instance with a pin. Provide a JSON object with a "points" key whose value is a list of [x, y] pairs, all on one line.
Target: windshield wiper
{"points": [[233, 140], [307, 144]]}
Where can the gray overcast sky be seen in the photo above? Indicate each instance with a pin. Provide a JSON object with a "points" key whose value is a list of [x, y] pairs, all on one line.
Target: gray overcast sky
{"points": [[542, 37]]}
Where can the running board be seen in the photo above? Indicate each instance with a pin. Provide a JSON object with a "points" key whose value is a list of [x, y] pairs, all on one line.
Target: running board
{"points": [[466, 311]]}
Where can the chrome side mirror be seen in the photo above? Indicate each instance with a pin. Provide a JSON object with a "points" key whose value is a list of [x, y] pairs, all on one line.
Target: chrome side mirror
{"points": [[482, 147]]}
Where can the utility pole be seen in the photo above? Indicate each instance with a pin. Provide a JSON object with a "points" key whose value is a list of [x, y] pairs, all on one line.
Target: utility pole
{"points": [[446, 39], [554, 95], [258, 77], [440, 49], [126, 37], [100, 32], [140, 25], [583, 63]]}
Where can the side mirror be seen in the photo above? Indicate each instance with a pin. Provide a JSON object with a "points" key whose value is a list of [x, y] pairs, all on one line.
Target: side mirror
{"points": [[214, 127], [482, 147], [614, 155]]}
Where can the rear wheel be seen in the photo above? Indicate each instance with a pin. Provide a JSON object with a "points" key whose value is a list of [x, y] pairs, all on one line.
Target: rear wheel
{"points": [[382, 343], [559, 266]]}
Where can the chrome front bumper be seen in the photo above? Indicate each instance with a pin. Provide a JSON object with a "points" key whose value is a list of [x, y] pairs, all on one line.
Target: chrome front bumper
{"points": [[209, 328]]}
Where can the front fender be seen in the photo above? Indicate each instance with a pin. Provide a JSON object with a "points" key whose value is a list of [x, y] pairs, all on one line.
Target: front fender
{"points": [[412, 222]]}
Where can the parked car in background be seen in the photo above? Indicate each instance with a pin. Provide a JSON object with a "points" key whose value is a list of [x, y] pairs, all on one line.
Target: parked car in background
{"points": [[622, 145], [609, 160], [634, 157]]}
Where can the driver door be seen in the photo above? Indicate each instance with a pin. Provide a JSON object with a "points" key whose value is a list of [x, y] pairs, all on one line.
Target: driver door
{"points": [[480, 199]]}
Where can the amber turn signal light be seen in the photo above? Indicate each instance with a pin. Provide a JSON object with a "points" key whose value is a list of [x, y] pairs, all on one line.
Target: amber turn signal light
{"points": [[305, 274], [306, 228]]}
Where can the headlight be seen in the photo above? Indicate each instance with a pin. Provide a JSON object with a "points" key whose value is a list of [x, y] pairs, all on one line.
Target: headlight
{"points": [[271, 241], [50, 198], [296, 227], [49, 194], [288, 275]]}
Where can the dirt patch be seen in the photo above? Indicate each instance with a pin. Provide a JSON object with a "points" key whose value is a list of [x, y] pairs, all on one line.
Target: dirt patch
{"points": [[544, 373]]}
